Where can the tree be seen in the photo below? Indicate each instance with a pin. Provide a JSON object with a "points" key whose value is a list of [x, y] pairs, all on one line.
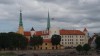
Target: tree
{"points": [[55, 40], [86, 47], [97, 41], [79, 48], [12, 40], [40, 40], [36, 41], [17, 40]]}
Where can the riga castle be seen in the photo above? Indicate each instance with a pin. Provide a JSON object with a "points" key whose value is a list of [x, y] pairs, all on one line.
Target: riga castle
{"points": [[69, 38]]}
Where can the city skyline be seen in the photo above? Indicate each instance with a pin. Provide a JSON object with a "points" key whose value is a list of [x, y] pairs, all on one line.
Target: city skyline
{"points": [[67, 14]]}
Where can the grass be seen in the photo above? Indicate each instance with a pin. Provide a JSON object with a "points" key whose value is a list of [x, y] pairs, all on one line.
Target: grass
{"points": [[8, 54]]}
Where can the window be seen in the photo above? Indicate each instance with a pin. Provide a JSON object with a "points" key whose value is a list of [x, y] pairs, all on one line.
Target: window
{"points": [[62, 39], [41, 48], [76, 42], [45, 47], [62, 42], [45, 43], [72, 42], [72, 36], [52, 47], [68, 36], [80, 36], [65, 39], [76, 35], [65, 42], [72, 39], [81, 39]]}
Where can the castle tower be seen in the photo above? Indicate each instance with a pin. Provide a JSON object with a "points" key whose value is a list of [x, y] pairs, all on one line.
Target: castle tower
{"points": [[86, 35], [32, 31], [86, 32], [48, 22], [20, 29]]}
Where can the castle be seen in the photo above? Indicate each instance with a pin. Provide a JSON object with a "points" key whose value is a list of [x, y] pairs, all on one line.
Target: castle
{"points": [[69, 38]]}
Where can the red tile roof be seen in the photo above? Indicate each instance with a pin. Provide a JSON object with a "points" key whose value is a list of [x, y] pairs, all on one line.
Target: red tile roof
{"points": [[27, 33], [71, 32], [62, 32], [46, 40], [39, 33]]}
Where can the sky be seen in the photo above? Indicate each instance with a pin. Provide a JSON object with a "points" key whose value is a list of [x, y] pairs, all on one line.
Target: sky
{"points": [[67, 14]]}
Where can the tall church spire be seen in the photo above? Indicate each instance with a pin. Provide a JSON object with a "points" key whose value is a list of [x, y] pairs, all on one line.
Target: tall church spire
{"points": [[20, 22], [48, 22], [20, 29]]}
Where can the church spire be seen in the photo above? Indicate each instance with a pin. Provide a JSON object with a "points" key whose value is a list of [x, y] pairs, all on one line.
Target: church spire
{"points": [[20, 22], [48, 22], [20, 29]]}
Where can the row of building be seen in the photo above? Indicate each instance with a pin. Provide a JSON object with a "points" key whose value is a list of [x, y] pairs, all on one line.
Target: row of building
{"points": [[69, 38]]}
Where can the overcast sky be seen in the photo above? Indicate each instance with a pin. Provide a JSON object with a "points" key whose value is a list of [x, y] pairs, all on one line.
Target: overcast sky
{"points": [[67, 14]]}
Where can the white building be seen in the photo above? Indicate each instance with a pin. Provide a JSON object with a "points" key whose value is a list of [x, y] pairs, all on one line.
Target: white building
{"points": [[69, 38]]}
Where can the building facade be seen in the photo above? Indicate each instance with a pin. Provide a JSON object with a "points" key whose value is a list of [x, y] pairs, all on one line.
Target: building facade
{"points": [[69, 38]]}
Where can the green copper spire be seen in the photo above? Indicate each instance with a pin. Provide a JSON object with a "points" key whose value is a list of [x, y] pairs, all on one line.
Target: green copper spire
{"points": [[20, 22], [48, 22]]}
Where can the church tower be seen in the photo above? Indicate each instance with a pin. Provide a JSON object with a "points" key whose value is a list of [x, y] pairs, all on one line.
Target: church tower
{"points": [[48, 22], [86, 35], [20, 29], [32, 31], [86, 32]]}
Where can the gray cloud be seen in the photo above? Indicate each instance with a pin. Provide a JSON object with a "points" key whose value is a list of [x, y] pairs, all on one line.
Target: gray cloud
{"points": [[7, 2], [68, 13]]}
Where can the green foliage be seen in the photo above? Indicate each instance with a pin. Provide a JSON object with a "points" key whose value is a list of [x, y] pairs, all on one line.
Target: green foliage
{"points": [[55, 39], [86, 47], [12, 40], [36, 40], [79, 48], [97, 41], [8, 54]]}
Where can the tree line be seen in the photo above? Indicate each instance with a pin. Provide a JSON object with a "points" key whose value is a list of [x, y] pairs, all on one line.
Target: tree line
{"points": [[12, 41], [38, 40], [85, 48]]}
